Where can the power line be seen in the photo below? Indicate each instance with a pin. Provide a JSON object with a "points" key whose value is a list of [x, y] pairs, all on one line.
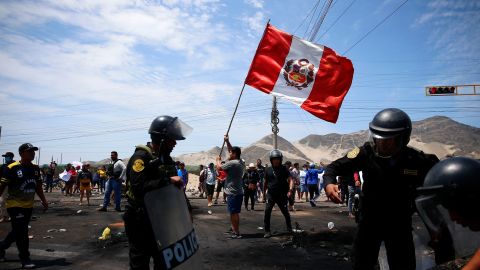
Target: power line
{"points": [[308, 15], [337, 19], [319, 22], [311, 19], [375, 27]]}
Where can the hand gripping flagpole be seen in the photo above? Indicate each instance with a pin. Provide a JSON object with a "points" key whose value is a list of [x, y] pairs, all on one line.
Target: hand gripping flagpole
{"points": [[241, 92]]}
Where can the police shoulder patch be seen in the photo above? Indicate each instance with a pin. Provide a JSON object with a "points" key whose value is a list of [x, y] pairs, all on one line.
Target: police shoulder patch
{"points": [[353, 153], [138, 165]]}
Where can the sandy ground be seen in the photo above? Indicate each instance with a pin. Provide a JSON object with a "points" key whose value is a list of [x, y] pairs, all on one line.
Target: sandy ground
{"points": [[79, 248]]}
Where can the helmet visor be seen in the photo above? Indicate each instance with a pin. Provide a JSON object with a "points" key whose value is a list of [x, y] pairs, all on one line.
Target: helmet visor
{"points": [[178, 130], [386, 146], [446, 227]]}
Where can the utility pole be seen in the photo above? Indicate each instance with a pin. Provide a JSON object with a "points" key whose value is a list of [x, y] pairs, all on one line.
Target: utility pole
{"points": [[38, 161], [274, 122]]}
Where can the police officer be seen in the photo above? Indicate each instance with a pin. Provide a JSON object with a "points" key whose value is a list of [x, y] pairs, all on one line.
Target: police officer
{"points": [[278, 187], [148, 169], [391, 172], [449, 198], [23, 181]]}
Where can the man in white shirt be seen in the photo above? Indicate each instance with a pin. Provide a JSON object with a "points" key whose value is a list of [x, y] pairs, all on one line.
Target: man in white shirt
{"points": [[116, 175]]}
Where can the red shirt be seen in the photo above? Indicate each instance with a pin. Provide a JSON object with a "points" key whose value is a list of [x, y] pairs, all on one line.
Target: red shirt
{"points": [[221, 175]]}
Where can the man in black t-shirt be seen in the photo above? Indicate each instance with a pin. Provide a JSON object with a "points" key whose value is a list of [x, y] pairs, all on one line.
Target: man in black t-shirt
{"points": [[278, 187]]}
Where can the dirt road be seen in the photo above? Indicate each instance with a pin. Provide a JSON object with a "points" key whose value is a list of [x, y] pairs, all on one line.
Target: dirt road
{"points": [[66, 238]]}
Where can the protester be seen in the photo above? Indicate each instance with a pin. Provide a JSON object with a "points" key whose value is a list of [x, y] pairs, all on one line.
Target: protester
{"points": [[312, 181], [250, 180], [72, 172], [295, 174], [234, 168], [95, 180], [49, 174], [202, 175], [102, 174], [345, 181], [303, 189], [115, 172], [278, 188], [183, 173], [222, 175], [321, 171], [76, 187], [353, 189], [210, 181], [85, 179], [391, 171], [23, 181], [261, 175], [8, 159]]}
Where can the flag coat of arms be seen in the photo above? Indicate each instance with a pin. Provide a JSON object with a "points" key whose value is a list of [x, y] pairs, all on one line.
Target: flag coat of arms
{"points": [[310, 75]]}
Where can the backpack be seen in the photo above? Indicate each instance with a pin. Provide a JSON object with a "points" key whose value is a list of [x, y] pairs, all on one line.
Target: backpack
{"points": [[203, 175]]}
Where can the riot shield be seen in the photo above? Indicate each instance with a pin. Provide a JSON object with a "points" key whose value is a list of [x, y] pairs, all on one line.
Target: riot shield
{"points": [[172, 227]]}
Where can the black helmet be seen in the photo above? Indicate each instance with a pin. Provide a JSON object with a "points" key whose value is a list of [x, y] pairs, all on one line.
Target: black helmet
{"points": [[276, 154], [394, 124], [448, 204], [165, 126], [456, 181]]}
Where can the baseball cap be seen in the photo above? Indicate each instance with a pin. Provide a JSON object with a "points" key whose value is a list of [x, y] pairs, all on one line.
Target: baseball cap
{"points": [[27, 147], [8, 154]]}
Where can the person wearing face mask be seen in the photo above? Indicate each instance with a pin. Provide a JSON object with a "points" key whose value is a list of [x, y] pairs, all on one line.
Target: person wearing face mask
{"points": [[391, 171]]}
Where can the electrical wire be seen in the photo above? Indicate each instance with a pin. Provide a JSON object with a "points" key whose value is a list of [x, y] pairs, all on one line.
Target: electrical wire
{"points": [[375, 27]]}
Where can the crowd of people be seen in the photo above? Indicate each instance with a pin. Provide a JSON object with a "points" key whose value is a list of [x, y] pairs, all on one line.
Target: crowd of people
{"points": [[307, 184]]}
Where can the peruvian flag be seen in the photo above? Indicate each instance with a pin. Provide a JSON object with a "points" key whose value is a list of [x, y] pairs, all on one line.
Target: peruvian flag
{"points": [[312, 76]]}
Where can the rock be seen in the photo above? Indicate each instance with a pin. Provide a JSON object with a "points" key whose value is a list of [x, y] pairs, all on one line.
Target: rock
{"points": [[333, 254], [330, 225], [62, 230]]}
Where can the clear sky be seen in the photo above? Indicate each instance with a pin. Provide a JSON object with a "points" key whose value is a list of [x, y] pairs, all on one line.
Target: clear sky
{"points": [[83, 78]]}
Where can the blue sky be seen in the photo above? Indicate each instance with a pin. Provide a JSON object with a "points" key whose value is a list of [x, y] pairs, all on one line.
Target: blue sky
{"points": [[82, 78]]}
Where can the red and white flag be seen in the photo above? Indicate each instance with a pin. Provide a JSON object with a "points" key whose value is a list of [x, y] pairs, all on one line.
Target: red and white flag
{"points": [[312, 76]]}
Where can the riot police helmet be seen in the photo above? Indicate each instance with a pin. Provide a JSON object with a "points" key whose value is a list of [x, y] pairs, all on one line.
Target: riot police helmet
{"points": [[448, 202], [275, 153], [168, 127], [390, 131]]}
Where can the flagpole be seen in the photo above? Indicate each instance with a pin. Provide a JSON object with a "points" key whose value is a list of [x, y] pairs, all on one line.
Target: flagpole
{"points": [[241, 92], [231, 120]]}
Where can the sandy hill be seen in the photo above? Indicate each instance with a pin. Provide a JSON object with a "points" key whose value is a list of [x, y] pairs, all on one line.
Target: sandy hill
{"points": [[438, 135], [261, 150]]}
